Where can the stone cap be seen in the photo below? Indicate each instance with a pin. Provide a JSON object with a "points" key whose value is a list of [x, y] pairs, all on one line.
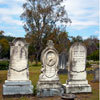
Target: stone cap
{"points": [[13, 43]]}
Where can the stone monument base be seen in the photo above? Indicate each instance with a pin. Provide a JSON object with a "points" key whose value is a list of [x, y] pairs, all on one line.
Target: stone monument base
{"points": [[77, 88], [47, 89], [17, 88]]}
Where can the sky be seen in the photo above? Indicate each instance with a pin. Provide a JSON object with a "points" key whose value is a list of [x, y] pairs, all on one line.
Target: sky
{"points": [[84, 15]]}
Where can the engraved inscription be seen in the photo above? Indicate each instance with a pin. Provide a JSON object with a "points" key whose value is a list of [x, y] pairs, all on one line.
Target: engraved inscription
{"points": [[78, 58]]}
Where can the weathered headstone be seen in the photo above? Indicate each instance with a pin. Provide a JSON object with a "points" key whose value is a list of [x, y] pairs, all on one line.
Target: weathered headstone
{"points": [[96, 75], [48, 84], [77, 82], [0, 49], [18, 74], [62, 61]]}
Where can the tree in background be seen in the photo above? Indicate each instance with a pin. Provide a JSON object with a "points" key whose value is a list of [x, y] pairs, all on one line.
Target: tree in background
{"points": [[4, 46], [76, 39], [91, 44], [94, 56], [1, 32], [41, 18]]}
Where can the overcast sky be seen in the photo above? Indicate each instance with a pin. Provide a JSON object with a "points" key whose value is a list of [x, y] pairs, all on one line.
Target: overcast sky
{"points": [[83, 13]]}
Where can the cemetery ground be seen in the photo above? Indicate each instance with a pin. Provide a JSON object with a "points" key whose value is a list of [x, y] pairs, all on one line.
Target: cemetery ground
{"points": [[34, 76]]}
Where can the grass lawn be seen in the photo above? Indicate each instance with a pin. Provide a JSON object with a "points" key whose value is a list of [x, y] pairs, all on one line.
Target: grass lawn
{"points": [[34, 76]]}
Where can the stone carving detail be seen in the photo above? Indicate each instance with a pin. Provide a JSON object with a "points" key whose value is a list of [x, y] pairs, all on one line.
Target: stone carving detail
{"points": [[18, 75], [76, 70], [18, 69], [49, 58], [49, 79]]}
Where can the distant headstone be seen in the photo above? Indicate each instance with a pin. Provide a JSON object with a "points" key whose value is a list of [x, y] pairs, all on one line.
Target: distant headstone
{"points": [[96, 74], [77, 82], [0, 47], [0, 50], [18, 74], [62, 61], [48, 84]]}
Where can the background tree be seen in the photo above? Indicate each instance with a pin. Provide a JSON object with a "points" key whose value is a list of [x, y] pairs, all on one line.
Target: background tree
{"points": [[1, 32], [76, 39], [94, 56], [5, 48], [41, 18], [4, 45], [91, 44]]}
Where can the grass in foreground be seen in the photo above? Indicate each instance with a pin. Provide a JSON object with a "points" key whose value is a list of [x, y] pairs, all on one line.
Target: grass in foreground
{"points": [[34, 76]]}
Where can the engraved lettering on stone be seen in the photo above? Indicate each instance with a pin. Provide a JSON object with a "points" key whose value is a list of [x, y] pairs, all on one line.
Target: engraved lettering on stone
{"points": [[76, 70], [78, 58]]}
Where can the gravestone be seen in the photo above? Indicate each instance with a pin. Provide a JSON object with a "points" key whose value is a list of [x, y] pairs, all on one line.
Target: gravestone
{"points": [[48, 84], [62, 61], [96, 75], [0, 49], [18, 74], [77, 82]]}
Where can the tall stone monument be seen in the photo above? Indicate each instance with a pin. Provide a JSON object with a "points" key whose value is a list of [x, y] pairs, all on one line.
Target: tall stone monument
{"points": [[48, 84], [18, 74], [77, 82]]}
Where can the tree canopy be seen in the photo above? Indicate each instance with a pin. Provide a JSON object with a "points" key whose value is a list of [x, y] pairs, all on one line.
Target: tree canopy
{"points": [[41, 18]]}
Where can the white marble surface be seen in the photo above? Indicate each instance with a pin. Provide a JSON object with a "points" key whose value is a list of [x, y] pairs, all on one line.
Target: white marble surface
{"points": [[18, 82], [50, 59], [48, 79], [18, 67], [77, 82]]}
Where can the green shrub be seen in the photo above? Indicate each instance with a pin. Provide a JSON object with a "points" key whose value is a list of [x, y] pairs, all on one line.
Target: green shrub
{"points": [[4, 65], [34, 90], [94, 56], [88, 64]]}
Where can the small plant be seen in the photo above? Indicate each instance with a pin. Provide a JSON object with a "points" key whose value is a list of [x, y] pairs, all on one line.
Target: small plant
{"points": [[34, 90], [94, 56], [4, 65], [88, 64]]}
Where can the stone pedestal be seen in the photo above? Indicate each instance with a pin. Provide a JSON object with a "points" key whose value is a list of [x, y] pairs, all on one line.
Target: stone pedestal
{"points": [[77, 82], [48, 88], [48, 84], [78, 87], [17, 88], [18, 82]]}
